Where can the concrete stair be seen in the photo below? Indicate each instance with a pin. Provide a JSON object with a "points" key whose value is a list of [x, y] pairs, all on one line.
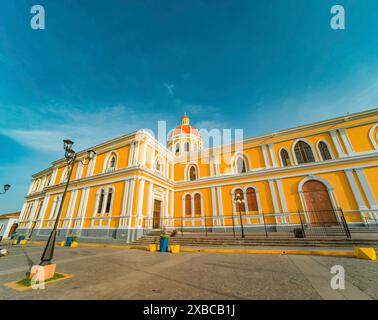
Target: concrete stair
{"points": [[193, 240]]}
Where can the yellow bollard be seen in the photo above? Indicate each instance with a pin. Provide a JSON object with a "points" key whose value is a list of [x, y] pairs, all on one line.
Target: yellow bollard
{"points": [[152, 247], [175, 248], [23, 241], [74, 244], [365, 253]]}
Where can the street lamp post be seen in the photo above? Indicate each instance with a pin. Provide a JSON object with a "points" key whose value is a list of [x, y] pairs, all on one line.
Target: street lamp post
{"points": [[239, 201], [70, 156], [6, 188]]}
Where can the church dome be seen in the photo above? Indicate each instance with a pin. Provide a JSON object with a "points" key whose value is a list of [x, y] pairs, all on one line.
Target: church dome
{"points": [[184, 128]]}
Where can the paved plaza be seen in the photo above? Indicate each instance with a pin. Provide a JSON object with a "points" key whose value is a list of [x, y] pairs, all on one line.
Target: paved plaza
{"points": [[110, 273]]}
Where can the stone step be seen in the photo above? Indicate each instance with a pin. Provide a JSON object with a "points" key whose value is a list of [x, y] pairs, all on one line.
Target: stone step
{"points": [[277, 239]]}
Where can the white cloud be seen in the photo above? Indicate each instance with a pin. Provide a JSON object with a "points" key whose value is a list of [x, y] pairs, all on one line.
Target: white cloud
{"points": [[47, 127], [170, 88]]}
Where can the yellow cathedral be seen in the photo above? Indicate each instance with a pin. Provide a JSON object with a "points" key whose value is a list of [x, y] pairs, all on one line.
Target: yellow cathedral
{"points": [[311, 175]]}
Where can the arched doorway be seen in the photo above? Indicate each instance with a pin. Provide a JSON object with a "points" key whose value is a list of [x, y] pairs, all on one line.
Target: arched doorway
{"points": [[12, 229], [318, 203]]}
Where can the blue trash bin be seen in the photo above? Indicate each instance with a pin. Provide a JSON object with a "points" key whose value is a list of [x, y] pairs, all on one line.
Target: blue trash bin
{"points": [[20, 238], [69, 241], [164, 244]]}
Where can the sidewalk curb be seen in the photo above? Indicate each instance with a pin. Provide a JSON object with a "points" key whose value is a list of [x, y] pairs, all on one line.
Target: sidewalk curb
{"points": [[340, 253]]}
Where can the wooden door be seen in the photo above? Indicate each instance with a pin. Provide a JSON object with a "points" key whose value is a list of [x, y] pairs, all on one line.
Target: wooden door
{"points": [[13, 229], [319, 205], [157, 210]]}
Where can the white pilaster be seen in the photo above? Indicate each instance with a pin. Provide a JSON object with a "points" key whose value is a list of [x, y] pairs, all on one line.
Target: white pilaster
{"points": [[272, 155], [265, 155], [356, 192], [337, 144], [274, 198], [131, 153], [366, 188], [346, 141]]}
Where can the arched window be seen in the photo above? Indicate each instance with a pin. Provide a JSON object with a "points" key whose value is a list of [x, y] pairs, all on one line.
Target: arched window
{"points": [[188, 205], [101, 201], [285, 158], [192, 173], [36, 186], [303, 153], [109, 200], [112, 162], [177, 147], [239, 195], [158, 165], [195, 147], [197, 204], [240, 165], [252, 200], [324, 151], [186, 147]]}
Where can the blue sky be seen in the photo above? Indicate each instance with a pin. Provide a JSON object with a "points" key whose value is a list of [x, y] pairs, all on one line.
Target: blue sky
{"points": [[101, 69]]}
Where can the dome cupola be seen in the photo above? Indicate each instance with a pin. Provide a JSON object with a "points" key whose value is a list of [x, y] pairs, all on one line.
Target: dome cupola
{"points": [[184, 138]]}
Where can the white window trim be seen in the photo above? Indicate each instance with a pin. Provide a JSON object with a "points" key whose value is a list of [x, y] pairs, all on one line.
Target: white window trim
{"points": [[290, 157], [373, 138], [312, 149], [246, 159], [329, 149]]}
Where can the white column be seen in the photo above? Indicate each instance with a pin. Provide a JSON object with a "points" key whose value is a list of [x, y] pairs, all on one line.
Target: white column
{"points": [[124, 200], [84, 195], [71, 207], [144, 154], [274, 198], [43, 209], [173, 171], [272, 155], [220, 204], [136, 153], [53, 177], [337, 143], [173, 205], [369, 194], [265, 155], [365, 186], [140, 197], [79, 170], [131, 153], [346, 141], [23, 211], [32, 213], [214, 205], [192, 207], [357, 194], [150, 200], [130, 204], [140, 203], [281, 194]]}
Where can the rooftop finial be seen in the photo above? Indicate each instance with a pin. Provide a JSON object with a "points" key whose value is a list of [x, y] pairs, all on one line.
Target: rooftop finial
{"points": [[185, 119]]}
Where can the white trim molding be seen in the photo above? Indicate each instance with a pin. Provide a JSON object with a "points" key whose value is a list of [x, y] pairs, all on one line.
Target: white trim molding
{"points": [[374, 139]]}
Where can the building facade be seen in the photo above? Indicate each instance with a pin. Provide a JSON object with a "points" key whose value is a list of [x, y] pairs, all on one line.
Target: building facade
{"points": [[8, 224], [135, 183]]}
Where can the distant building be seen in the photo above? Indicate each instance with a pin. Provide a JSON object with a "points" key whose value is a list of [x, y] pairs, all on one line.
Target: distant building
{"points": [[301, 175], [8, 224]]}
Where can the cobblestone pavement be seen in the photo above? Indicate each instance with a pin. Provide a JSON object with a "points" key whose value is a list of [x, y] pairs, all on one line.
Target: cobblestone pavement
{"points": [[109, 273]]}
